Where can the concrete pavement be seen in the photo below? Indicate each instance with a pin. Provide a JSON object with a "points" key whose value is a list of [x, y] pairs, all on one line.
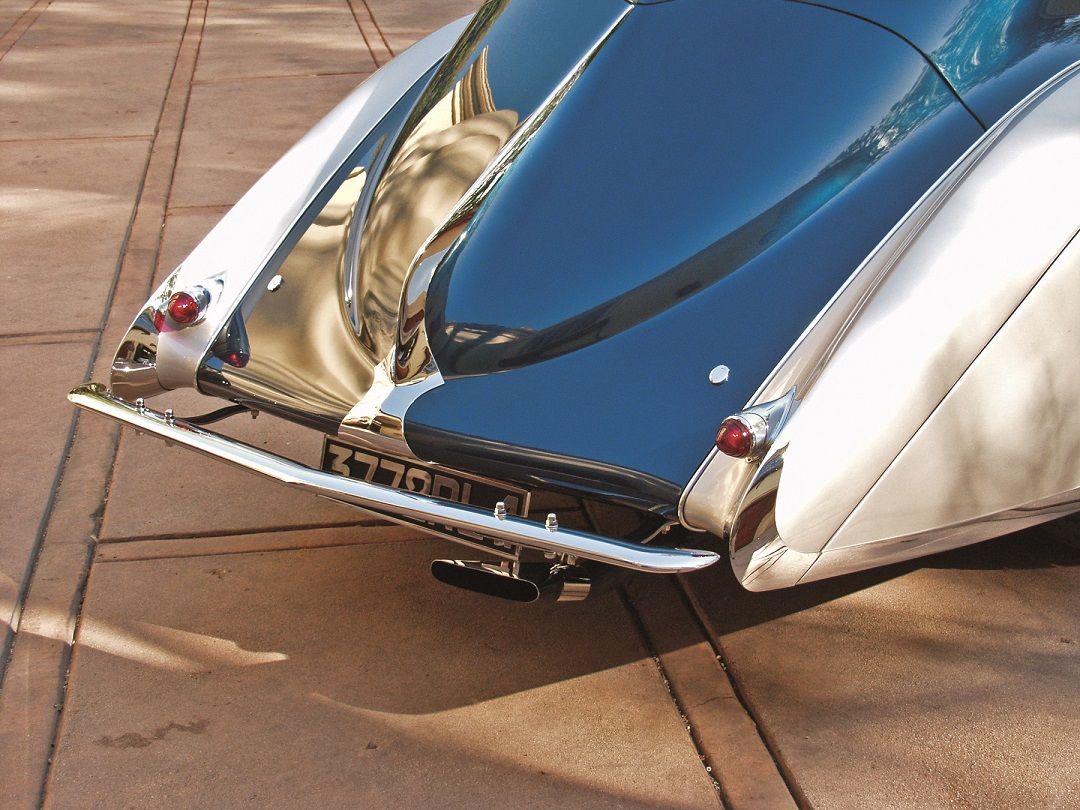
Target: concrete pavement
{"points": [[953, 681], [361, 683], [220, 640]]}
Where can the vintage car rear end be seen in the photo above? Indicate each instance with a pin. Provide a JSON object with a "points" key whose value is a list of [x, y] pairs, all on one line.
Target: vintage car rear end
{"points": [[551, 248]]}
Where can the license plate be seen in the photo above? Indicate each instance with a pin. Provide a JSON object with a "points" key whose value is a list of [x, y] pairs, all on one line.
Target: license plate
{"points": [[438, 482]]}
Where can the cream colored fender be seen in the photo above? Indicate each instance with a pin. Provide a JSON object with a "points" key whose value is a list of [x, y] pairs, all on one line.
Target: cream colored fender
{"points": [[932, 403]]}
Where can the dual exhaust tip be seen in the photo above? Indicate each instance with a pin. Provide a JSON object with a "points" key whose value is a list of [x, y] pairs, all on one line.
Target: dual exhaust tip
{"points": [[516, 582]]}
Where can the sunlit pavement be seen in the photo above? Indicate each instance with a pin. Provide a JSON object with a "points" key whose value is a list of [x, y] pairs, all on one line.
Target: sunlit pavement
{"points": [[182, 634]]}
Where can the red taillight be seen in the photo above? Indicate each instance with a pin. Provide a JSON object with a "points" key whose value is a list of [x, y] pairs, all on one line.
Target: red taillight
{"points": [[159, 320], [735, 438], [184, 308], [236, 358]]}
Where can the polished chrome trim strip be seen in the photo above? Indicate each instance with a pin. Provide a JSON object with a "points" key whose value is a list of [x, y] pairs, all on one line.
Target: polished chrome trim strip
{"points": [[402, 507]]}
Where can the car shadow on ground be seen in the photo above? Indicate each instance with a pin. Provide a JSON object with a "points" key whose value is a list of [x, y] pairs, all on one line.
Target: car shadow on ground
{"points": [[730, 608]]}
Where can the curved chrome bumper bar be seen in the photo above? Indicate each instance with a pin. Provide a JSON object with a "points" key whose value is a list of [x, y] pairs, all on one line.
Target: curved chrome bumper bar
{"points": [[401, 507]]}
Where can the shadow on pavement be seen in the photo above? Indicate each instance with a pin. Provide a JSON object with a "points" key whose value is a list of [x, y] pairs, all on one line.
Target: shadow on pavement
{"points": [[946, 681], [348, 675], [733, 608]]}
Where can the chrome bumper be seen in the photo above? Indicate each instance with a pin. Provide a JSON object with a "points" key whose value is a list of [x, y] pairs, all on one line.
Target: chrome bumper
{"points": [[408, 508]]}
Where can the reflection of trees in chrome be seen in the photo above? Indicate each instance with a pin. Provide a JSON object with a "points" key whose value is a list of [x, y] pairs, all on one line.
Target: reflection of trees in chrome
{"points": [[987, 38], [446, 78], [432, 167], [304, 350], [984, 40]]}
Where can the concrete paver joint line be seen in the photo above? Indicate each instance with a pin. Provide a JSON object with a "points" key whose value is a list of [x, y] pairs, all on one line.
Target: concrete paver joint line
{"points": [[319, 74], [376, 41], [50, 597], [652, 650], [20, 26], [786, 773], [78, 139], [46, 516], [725, 733], [382, 35], [359, 523], [60, 46], [635, 618], [56, 336], [367, 41]]}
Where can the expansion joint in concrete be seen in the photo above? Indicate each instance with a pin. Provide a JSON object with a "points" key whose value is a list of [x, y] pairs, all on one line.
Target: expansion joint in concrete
{"points": [[45, 618]]}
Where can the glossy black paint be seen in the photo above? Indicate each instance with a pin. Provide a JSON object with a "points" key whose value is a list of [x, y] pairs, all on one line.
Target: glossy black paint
{"points": [[529, 47], [695, 199], [993, 52]]}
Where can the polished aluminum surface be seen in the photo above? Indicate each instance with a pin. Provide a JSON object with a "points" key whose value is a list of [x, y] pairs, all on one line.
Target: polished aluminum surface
{"points": [[303, 353], [393, 504], [344, 346], [234, 254], [429, 171], [913, 388]]}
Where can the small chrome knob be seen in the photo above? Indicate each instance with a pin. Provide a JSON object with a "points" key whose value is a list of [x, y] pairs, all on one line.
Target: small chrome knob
{"points": [[719, 375]]}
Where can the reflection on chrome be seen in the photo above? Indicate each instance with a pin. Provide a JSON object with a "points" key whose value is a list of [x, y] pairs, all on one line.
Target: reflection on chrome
{"points": [[434, 165], [133, 371], [302, 352], [319, 345], [340, 344], [979, 46], [412, 331]]}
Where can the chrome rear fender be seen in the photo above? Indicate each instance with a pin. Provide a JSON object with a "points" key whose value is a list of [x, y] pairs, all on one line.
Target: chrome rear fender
{"points": [[317, 279], [239, 253]]}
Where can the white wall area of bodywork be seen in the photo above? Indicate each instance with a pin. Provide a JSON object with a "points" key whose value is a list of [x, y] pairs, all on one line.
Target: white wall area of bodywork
{"points": [[975, 260], [932, 398]]}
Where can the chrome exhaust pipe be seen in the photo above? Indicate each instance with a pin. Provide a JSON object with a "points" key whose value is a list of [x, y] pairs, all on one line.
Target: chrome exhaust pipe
{"points": [[515, 581]]}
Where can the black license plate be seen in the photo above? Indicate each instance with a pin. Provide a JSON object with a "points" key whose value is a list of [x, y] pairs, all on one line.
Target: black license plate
{"points": [[438, 482]]}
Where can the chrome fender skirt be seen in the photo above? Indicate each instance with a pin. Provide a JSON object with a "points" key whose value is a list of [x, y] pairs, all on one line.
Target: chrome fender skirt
{"points": [[456, 521], [235, 255], [930, 404]]}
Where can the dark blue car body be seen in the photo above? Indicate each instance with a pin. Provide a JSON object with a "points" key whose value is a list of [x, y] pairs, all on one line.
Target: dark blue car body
{"points": [[694, 197]]}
